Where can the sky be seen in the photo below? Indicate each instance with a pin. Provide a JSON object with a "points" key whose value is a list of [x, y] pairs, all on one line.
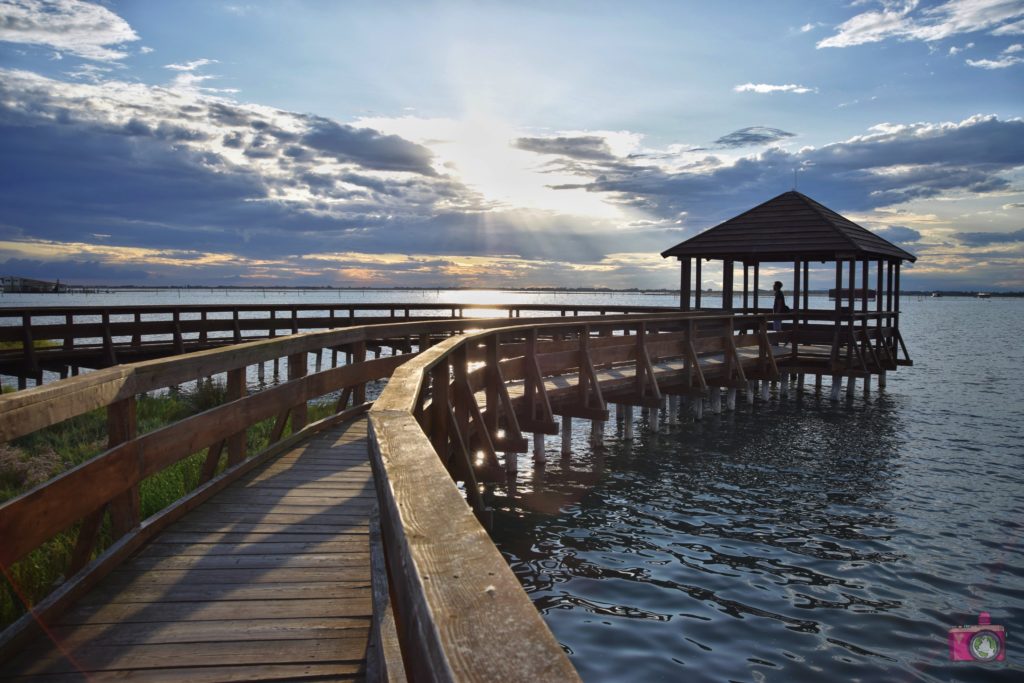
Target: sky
{"points": [[498, 144]]}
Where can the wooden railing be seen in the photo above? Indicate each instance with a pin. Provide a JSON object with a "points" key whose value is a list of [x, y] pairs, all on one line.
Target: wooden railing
{"points": [[443, 420], [62, 339]]}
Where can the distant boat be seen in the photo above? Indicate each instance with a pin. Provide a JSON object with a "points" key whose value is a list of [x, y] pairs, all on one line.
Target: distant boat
{"points": [[936, 295], [984, 295]]}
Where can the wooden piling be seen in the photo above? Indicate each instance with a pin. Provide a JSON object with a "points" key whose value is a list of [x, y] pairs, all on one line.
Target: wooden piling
{"points": [[566, 435], [538, 448]]}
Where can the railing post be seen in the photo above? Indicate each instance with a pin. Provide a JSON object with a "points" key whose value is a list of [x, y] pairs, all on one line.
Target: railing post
{"points": [[69, 335], [439, 383], [237, 442], [108, 341], [297, 370], [358, 356], [179, 343], [491, 389], [122, 426]]}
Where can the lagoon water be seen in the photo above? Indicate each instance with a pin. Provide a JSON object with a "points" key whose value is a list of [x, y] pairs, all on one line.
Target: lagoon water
{"points": [[792, 540]]}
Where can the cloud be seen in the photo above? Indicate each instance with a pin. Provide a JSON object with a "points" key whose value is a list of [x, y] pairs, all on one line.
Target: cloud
{"points": [[889, 165], [953, 51], [190, 66], [754, 135], [767, 89], [906, 20], [1014, 29], [899, 234], [589, 147], [81, 28], [991, 64], [367, 147], [982, 239]]}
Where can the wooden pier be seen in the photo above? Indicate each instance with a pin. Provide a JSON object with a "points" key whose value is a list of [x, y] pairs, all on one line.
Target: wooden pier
{"points": [[270, 568]]}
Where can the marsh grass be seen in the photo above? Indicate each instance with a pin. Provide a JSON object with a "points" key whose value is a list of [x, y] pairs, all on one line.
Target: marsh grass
{"points": [[31, 460]]}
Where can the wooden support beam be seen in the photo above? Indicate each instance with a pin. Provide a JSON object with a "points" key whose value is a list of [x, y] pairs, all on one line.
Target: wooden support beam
{"points": [[297, 370], [236, 443], [439, 401], [684, 283], [122, 426], [539, 417]]}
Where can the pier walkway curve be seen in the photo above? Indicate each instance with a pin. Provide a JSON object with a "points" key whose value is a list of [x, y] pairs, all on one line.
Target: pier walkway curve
{"points": [[346, 547]]}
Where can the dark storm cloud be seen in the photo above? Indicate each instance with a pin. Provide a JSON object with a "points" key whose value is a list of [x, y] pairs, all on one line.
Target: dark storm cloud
{"points": [[752, 136], [984, 239], [367, 147], [585, 147], [899, 233]]}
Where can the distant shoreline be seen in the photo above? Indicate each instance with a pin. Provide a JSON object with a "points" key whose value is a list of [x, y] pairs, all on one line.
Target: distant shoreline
{"points": [[113, 289]]}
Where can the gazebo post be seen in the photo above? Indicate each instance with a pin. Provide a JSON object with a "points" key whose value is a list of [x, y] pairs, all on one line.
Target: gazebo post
{"points": [[727, 268], [888, 288], [807, 306], [896, 296], [698, 285], [757, 270], [878, 296], [684, 283], [865, 267], [746, 287]]}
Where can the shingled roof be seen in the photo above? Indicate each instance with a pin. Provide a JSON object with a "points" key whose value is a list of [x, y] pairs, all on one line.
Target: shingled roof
{"points": [[788, 227]]}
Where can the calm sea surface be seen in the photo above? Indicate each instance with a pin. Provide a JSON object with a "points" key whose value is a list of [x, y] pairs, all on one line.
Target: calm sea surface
{"points": [[789, 541]]}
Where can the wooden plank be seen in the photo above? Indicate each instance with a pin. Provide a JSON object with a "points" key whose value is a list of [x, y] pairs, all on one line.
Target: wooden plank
{"points": [[224, 631], [333, 671], [113, 658], [148, 594], [336, 545], [216, 525], [136, 613]]}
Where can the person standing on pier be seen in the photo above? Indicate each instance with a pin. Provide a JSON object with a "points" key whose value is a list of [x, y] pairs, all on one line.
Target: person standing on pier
{"points": [[778, 306]]}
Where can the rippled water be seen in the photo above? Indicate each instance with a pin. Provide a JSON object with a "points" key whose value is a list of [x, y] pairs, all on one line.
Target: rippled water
{"points": [[799, 539]]}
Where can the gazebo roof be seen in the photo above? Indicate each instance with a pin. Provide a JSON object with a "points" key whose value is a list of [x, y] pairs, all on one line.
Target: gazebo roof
{"points": [[789, 227]]}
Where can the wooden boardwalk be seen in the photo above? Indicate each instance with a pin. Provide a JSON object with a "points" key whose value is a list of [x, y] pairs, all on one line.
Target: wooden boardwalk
{"points": [[269, 580]]}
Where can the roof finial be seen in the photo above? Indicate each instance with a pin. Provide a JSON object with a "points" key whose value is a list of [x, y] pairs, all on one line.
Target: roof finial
{"points": [[795, 169]]}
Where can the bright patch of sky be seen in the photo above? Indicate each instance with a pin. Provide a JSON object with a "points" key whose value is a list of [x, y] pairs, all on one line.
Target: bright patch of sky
{"points": [[497, 144]]}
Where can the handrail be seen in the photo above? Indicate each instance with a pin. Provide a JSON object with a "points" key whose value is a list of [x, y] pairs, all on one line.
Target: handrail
{"points": [[460, 611], [57, 338]]}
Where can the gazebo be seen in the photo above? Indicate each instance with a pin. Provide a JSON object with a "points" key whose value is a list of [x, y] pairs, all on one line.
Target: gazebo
{"points": [[794, 229]]}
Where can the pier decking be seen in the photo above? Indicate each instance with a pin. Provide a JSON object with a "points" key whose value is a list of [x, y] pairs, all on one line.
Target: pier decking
{"points": [[269, 580]]}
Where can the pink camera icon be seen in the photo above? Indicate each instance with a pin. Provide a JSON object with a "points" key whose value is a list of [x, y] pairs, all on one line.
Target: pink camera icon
{"points": [[985, 642]]}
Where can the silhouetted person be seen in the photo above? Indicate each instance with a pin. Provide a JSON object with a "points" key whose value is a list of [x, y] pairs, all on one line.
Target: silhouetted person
{"points": [[779, 305]]}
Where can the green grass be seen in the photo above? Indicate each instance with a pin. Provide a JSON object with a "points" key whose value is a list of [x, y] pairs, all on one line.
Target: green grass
{"points": [[31, 460], [36, 344]]}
